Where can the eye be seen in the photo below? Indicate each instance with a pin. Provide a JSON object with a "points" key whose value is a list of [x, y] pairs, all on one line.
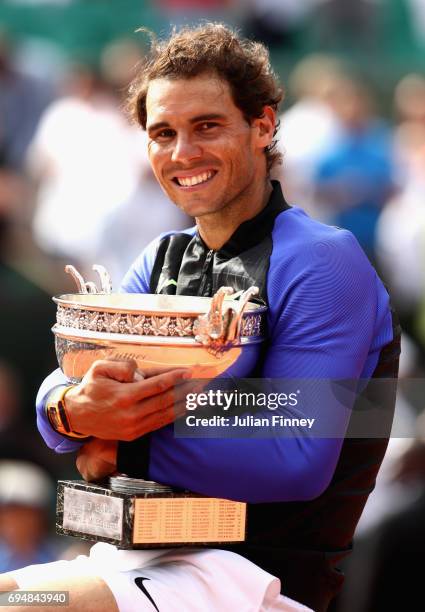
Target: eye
{"points": [[207, 125], [165, 134]]}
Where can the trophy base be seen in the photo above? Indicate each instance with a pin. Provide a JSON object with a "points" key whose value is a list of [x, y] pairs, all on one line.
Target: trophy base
{"points": [[136, 514]]}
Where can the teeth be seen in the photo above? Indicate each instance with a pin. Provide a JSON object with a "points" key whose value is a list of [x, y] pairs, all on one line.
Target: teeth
{"points": [[194, 180]]}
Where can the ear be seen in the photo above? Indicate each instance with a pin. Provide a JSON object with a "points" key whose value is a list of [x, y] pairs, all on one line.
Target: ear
{"points": [[264, 127]]}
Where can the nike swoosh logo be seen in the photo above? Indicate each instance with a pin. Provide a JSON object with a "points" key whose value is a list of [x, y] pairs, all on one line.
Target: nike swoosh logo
{"points": [[139, 583]]}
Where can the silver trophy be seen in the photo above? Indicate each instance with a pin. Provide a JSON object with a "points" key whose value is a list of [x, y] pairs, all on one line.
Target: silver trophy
{"points": [[209, 335]]}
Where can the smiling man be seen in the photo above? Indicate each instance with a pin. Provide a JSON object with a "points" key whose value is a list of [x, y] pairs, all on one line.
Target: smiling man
{"points": [[208, 100]]}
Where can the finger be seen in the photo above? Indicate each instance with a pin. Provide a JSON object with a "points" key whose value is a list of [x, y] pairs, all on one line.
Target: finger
{"points": [[166, 399], [121, 370], [160, 419], [154, 414], [96, 471], [155, 385], [186, 389], [173, 413]]}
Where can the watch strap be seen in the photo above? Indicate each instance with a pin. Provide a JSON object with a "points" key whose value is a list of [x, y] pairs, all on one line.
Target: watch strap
{"points": [[57, 414]]}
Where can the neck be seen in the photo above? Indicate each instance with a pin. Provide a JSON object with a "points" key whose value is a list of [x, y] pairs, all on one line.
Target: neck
{"points": [[216, 229]]}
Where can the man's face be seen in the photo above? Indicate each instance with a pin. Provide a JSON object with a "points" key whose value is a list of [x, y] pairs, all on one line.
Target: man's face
{"points": [[203, 152]]}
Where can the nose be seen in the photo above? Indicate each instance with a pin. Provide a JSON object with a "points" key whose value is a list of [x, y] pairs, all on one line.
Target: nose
{"points": [[185, 149]]}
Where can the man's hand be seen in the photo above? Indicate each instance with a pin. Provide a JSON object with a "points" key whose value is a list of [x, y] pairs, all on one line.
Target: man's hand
{"points": [[97, 459], [112, 403]]}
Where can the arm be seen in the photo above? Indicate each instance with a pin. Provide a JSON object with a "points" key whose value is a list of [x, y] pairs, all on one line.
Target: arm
{"points": [[323, 330]]}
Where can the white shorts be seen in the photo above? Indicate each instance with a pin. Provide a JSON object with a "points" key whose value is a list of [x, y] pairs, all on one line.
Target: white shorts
{"points": [[174, 580]]}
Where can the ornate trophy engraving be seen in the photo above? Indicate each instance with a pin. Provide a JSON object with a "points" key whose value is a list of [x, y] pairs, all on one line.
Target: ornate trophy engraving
{"points": [[207, 334]]}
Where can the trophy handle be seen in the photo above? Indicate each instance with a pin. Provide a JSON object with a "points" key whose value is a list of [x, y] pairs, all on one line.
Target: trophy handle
{"points": [[105, 279], [235, 325], [216, 328], [79, 280], [90, 286]]}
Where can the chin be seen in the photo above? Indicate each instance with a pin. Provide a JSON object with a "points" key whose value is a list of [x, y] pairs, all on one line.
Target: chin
{"points": [[199, 210], [195, 209]]}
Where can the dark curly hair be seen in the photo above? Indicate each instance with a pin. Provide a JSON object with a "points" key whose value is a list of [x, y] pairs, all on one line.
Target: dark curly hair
{"points": [[212, 47]]}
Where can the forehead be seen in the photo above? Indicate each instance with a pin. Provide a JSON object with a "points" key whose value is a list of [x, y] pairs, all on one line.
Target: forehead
{"points": [[171, 99]]}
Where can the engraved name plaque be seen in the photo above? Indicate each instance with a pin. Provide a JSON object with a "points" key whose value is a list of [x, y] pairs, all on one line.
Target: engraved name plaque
{"points": [[133, 513], [94, 514]]}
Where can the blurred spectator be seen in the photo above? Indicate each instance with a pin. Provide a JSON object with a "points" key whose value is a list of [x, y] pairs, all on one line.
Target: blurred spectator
{"points": [[25, 496], [409, 102], [23, 98], [355, 176], [307, 127], [401, 242], [401, 228], [86, 158]]}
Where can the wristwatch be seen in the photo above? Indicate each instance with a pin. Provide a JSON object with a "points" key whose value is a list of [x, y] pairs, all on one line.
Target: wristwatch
{"points": [[57, 415]]}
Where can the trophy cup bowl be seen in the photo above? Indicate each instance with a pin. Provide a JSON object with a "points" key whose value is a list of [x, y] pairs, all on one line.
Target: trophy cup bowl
{"points": [[212, 336], [209, 335]]}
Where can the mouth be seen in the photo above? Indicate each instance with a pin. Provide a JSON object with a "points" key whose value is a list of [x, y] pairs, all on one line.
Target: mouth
{"points": [[195, 180]]}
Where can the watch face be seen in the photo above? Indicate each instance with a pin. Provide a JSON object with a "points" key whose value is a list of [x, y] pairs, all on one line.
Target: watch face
{"points": [[54, 418]]}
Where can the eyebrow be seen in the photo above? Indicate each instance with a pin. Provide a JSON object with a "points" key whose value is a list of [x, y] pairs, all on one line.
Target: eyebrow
{"points": [[197, 119]]}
